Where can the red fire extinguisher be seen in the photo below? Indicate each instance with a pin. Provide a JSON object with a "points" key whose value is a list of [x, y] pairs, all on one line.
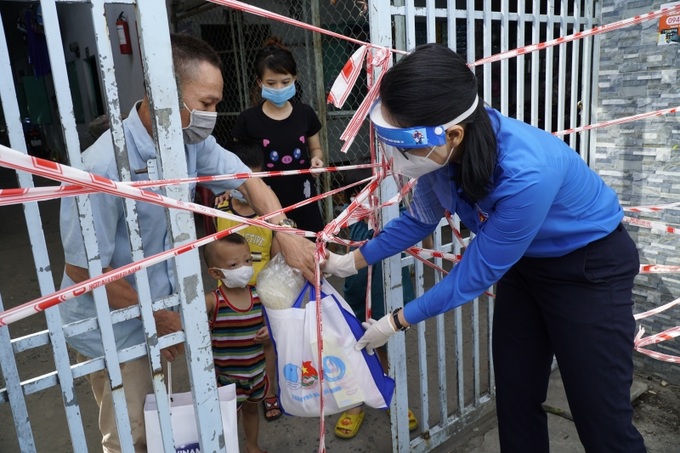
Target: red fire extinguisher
{"points": [[123, 34]]}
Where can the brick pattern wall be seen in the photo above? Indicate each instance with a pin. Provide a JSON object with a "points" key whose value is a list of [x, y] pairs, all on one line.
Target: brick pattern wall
{"points": [[641, 160]]}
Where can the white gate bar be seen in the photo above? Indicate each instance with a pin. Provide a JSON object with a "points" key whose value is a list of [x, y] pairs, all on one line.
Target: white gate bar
{"points": [[470, 31], [575, 74], [122, 314], [399, 26], [594, 91], [441, 333], [451, 25], [410, 24], [548, 76], [41, 260], [521, 67], [440, 329], [561, 70], [505, 38], [65, 105], [13, 391], [31, 341], [167, 131], [381, 34], [586, 76], [424, 415], [431, 25], [487, 32], [107, 71], [535, 61]]}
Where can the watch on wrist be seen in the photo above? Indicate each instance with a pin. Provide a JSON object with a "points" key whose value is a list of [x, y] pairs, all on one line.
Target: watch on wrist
{"points": [[397, 324], [290, 223]]}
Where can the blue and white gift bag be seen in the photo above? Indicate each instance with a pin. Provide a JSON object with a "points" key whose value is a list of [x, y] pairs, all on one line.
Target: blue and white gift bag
{"points": [[350, 377]]}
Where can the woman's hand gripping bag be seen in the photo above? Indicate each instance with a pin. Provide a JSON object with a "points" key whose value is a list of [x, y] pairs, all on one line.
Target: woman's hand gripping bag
{"points": [[350, 377]]}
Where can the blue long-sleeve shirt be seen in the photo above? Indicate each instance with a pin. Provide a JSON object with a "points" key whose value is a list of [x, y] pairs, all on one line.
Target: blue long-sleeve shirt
{"points": [[544, 202]]}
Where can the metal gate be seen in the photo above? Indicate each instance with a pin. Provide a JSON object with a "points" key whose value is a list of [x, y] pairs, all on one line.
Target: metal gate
{"points": [[154, 39], [453, 385]]}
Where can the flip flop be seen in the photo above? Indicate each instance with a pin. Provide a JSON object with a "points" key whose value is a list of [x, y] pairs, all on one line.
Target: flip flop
{"points": [[412, 420], [348, 425], [270, 405]]}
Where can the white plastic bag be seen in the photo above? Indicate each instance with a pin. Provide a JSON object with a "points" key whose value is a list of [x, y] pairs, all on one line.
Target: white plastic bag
{"points": [[183, 418], [350, 377]]}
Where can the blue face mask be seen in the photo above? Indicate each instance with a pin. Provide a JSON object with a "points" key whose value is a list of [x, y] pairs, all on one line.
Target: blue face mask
{"points": [[278, 97]]}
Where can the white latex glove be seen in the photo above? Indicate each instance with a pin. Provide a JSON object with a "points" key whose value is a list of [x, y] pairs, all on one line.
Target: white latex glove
{"points": [[377, 333], [340, 265]]}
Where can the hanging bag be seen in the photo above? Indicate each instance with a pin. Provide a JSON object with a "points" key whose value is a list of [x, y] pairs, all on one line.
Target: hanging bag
{"points": [[351, 377], [183, 419]]}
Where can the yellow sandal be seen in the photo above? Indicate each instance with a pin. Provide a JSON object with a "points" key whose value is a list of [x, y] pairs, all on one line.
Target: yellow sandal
{"points": [[348, 425], [412, 420]]}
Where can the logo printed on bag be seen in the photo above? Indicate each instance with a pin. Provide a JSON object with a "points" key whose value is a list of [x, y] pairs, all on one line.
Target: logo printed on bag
{"points": [[193, 447], [297, 377], [334, 368]]}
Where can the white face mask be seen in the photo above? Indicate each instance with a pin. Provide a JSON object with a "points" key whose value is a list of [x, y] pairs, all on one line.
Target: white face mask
{"points": [[415, 166], [237, 278], [201, 125]]}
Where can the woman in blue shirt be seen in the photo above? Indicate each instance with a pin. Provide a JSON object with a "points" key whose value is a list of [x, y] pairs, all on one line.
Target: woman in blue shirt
{"points": [[548, 232]]}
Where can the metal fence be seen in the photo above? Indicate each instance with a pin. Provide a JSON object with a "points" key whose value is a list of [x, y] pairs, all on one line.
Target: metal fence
{"points": [[551, 89], [451, 369], [159, 79]]}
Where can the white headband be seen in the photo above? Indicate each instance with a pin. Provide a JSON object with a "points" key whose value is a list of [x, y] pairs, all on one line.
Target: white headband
{"points": [[463, 116]]}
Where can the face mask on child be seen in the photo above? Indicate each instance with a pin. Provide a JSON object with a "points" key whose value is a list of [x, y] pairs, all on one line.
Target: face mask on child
{"points": [[278, 97], [237, 278]]}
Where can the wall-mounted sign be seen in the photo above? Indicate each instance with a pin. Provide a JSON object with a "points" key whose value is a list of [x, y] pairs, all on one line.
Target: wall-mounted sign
{"points": [[669, 27]]}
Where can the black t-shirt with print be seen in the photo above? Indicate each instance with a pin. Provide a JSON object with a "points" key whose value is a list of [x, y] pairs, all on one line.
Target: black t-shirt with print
{"points": [[284, 144]]}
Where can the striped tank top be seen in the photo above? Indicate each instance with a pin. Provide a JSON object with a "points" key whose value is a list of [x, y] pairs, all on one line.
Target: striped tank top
{"points": [[233, 331]]}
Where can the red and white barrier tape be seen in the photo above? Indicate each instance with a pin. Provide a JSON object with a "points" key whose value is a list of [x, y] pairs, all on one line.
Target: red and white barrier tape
{"points": [[41, 304], [641, 342], [657, 310], [456, 233], [651, 225], [25, 195], [19, 161], [627, 119], [345, 81], [658, 208], [379, 58], [578, 35], [287, 20], [319, 348], [659, 269]]}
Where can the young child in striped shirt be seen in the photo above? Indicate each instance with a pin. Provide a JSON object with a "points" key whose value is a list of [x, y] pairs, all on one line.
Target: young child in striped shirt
{"points": [[237, 329]]}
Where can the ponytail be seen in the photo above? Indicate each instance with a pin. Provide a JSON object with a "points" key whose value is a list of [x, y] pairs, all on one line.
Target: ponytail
{"points": [[478, 161]]}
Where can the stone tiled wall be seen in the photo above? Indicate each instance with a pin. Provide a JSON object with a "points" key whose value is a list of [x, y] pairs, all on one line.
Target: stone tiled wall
{"points": [[641, 160]]}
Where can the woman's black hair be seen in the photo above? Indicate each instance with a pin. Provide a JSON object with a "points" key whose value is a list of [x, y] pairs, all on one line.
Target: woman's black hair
{"points": [[275, 57], [431, 86]]}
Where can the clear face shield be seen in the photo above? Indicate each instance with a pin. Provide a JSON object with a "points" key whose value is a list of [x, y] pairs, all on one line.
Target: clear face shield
{"points": [[415, 151]]}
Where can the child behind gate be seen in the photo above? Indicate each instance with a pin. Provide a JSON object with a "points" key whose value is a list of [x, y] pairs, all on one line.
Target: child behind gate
{"points": [[237, 329]]}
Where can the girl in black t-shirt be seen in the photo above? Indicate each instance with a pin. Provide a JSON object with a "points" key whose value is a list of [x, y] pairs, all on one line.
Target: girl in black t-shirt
{"points": [[288, 132]]}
